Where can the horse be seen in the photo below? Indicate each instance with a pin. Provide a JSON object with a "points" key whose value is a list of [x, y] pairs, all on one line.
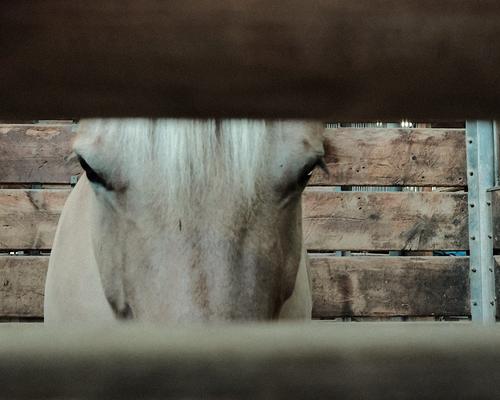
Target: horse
{"points": [[177, 221]]}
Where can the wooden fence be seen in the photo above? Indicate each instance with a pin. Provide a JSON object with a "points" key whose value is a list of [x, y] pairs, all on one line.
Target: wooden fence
{"points": [[36, 168], [422, 59], [284, 362]]}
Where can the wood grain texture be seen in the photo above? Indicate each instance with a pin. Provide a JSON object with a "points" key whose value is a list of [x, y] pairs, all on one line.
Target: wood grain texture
{"points": [[254, 58], [394, 157], [332, 221], [495, 203], [22, 283], [342, 286], [384, 221], [36, 154], [377, 157], [28, 218], [390, 286]]}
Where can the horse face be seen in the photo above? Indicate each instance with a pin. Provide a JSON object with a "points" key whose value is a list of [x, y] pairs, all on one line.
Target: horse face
{"points": [[197, 220]]}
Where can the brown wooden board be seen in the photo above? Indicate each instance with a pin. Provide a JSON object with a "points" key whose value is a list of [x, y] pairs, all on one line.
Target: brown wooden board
{"points": [[332, 221], [28, 218], [495, 203], [418, 157], [22, 281], [390, 157], [351, 60], [390, 286], [384, 221], [497, 283], [37, 154], [342, 286]]}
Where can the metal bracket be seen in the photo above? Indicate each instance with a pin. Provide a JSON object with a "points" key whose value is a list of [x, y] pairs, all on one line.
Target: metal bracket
{"points": [[481, 177]]}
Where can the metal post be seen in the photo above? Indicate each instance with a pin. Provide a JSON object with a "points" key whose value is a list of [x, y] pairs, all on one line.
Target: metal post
{"points": [[481, 177]]}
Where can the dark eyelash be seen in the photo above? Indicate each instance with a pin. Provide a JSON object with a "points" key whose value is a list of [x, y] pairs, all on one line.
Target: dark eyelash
{"points": [[309, 169], [93, 176]]}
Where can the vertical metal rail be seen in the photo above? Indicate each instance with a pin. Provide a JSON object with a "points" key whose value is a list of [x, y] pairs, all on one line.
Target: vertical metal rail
{"points": [[480, 146]]}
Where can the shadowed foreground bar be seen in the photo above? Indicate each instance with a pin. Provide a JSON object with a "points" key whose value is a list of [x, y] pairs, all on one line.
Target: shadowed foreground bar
{"points": [[347, 60], [345, 361]]}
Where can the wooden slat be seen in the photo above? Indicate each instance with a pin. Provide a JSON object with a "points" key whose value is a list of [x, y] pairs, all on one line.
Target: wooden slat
{"points": [[495, 200], [361, 60], [417, 157], [390, 286], [497, 283], [22, 281], [36, 153], [332, 221], [389, 157], [342, 286], [28, 218], [384, 221]]}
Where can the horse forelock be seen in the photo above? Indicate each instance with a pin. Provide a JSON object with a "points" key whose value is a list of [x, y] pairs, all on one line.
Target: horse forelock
{"points": [[182, 160]]}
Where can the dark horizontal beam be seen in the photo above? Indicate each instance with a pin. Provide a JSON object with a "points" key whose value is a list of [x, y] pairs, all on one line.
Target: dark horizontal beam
{"points": [[344, 361], [342, 60]]}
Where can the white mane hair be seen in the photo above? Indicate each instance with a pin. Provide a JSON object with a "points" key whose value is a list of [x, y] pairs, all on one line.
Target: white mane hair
{"points": [[186, 157]]}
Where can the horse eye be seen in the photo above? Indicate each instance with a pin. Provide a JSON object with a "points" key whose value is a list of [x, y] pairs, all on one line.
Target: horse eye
{"points": [[92, 175], [308, 170]]}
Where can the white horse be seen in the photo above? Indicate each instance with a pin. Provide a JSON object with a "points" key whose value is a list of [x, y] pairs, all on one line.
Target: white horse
{"points": [[184, 221]]}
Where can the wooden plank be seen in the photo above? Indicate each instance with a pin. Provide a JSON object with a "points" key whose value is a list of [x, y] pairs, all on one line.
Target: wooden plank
{"points": [[495, 203], [391, 157], [419, 157], [250, 58], [344, 361], [22, 283], [28, 218], [384, 221], [497, 283], [36, 153], [342, 286], [332, 221], [390, 286]]}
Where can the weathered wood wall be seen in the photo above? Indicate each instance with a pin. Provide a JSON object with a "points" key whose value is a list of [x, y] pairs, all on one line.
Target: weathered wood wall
{"points": [[385, 221], [36, 153], [351, 60], [343, 286], [394, 157]]}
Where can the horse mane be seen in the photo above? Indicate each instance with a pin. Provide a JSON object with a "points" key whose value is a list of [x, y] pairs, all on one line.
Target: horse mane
{"points": [[188, 157]]}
